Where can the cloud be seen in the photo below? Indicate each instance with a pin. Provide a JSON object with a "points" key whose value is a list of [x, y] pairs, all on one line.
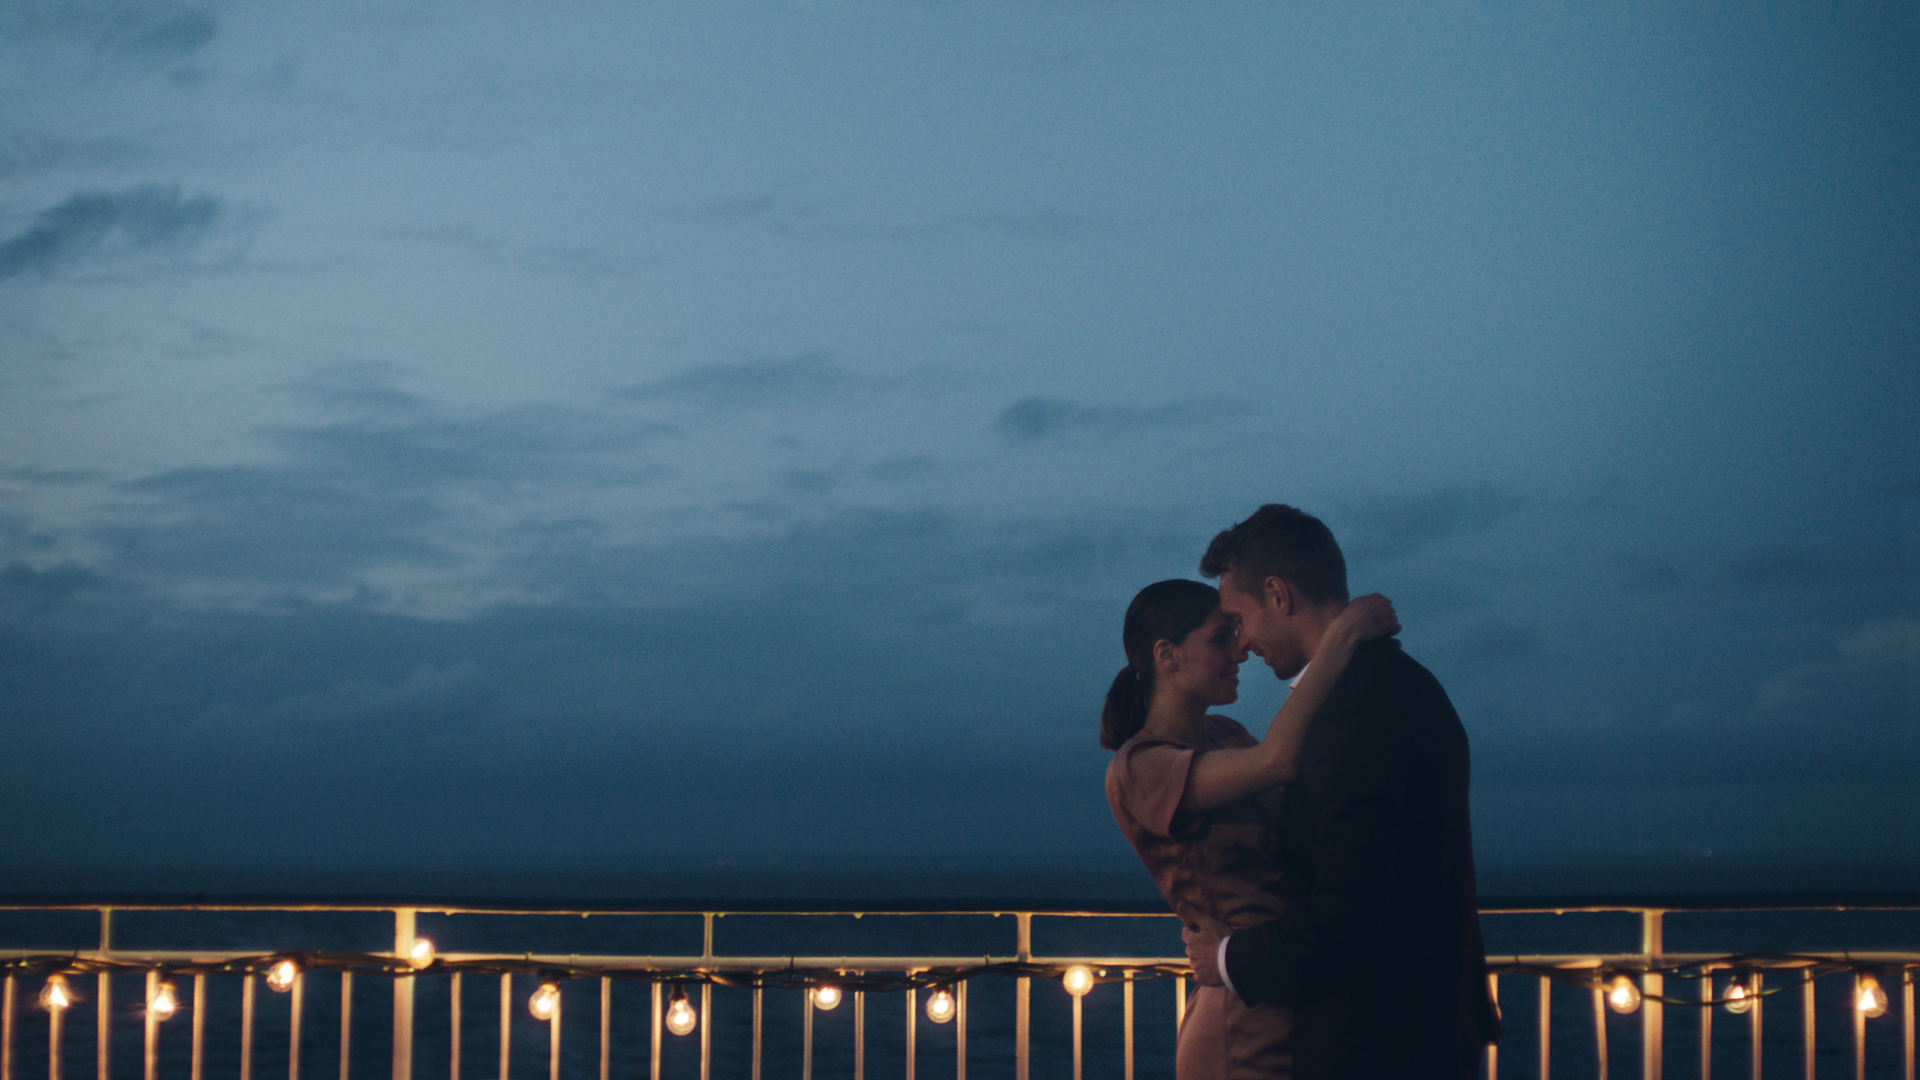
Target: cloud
{"points": [[25, 591], [103, 226], [776, 214], [807, 377], [1869, 676], [127, 29], [728, 211], [1033, 419], [1047, 224], [180, 35], [1498, 641], [24, 155], [268, 524], [1390, 526]]}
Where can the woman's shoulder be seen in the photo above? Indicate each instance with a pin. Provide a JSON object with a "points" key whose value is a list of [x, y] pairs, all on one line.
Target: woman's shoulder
{"points": [[1226, 731]]}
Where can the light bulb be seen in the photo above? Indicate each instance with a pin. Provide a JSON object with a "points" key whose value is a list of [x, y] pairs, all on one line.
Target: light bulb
{"points": [[545, 1001], [1868, 997], [280, 976], [826, 997], [1078, 979], [164, 1003], [940, 1005], [421, 955], [55, 996], [680, 1014], [1739, 997], [1622, 996]]}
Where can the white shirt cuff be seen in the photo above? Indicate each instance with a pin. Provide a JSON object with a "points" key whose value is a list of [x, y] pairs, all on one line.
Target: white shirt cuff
{"points": [[1221, 962]]}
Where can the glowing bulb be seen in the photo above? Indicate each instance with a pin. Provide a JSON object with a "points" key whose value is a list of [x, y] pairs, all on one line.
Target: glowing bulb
{"points": [[1739, 998], [1868, 997], [1622, 995], [164, 1003], [1078, 979], [55, 996], [421, 955], [680, 1014], [826, 997], [940, 1005], [280, 976], [545, 1001]]}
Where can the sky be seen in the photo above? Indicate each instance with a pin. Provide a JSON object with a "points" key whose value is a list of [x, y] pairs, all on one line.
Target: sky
{"points": [[577, 442]]}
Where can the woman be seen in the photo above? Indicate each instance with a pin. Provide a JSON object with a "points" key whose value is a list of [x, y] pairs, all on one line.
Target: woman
{"points": [[1195, 796]]}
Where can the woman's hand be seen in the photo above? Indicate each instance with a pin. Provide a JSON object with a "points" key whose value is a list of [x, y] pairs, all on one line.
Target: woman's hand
{"points": [[1365, 618]]}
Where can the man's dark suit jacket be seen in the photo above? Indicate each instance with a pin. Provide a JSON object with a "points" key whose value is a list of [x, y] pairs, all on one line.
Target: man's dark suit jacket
{"points": [[1379, 952]]}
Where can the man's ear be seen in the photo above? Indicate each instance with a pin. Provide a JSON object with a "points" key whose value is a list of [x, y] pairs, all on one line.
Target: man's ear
{"points": [[1279, 593]]}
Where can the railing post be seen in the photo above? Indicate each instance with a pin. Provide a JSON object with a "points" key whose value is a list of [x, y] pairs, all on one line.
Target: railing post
{"points": [[53, 1042], [913, 1028], [506, 1025], [1076, 1037], [1022, 996], [247, 986], [1706, 1024], [103, 1012], [706, 1030], [1806, 1025], [296, 999], [1859, 1034], [1907, 1009], [1493, 1049], [453, 1023], [1600, 1032], [706, 999], [1546, 1027], [1126, 1009], [150, 1068], [553, 1042], [606, 1027], [6, 1035], [959, 1030], [403, 924], [654, 1060], [1753, 1016], [199, 1028], [1652, 984], [346, 1025]]}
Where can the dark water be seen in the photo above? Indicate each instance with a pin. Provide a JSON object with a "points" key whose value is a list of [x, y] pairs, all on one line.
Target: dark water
{"points": [[991, 999]]}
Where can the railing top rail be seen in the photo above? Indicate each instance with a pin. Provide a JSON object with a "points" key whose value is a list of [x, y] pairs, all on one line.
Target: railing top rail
{"points": [[992, 906]]}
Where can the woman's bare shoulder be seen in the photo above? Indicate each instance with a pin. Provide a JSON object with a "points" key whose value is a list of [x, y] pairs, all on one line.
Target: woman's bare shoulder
{"points": [[1226, 731]]}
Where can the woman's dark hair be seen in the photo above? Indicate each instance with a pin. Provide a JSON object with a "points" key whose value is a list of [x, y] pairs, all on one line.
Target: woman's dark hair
{"points": [[1163, 611]]}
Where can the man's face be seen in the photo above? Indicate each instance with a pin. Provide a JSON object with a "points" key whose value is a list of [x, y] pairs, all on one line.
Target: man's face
{"points": [[1264, 631]]}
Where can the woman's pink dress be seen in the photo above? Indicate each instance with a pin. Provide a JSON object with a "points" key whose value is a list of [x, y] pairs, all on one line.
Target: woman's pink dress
{"points": [[1225, 866]]}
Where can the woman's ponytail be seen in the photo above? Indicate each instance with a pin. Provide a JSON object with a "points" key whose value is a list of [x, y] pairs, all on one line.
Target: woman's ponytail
{"points": [[1126, 709], [1163, 611]]}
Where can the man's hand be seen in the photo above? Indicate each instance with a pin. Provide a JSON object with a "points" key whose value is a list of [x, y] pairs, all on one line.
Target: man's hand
{"points": [[1203, 947]]}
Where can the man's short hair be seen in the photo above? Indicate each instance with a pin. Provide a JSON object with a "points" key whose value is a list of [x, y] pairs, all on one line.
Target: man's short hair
{"points": [[1279, 541]]}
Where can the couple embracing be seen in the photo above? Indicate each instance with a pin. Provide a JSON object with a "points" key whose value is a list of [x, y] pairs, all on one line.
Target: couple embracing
{"points": [[1324, 873]]}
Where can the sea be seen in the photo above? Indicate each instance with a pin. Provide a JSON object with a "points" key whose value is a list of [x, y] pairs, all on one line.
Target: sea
{"points": [[1883, 913]]}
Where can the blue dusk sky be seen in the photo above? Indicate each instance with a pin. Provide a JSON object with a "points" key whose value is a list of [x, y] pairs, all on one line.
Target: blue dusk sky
{"points": [[565, 438]]}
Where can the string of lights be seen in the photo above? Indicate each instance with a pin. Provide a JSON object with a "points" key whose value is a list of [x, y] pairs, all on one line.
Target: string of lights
{"points": [[1625, 996], [1616, 981]]}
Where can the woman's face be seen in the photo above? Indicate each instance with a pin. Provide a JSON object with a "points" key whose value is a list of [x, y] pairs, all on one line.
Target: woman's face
{"points": [[1206, 666]]}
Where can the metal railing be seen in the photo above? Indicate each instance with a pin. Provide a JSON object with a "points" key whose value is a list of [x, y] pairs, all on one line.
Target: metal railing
{"points": [[1882, 982]]}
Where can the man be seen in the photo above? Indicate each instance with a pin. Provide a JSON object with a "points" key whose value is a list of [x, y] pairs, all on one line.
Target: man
{"points": [[1379, 951]]}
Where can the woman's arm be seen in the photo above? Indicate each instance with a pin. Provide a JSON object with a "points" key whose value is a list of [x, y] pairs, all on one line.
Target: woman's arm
{"points": [[1224, 776]]}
